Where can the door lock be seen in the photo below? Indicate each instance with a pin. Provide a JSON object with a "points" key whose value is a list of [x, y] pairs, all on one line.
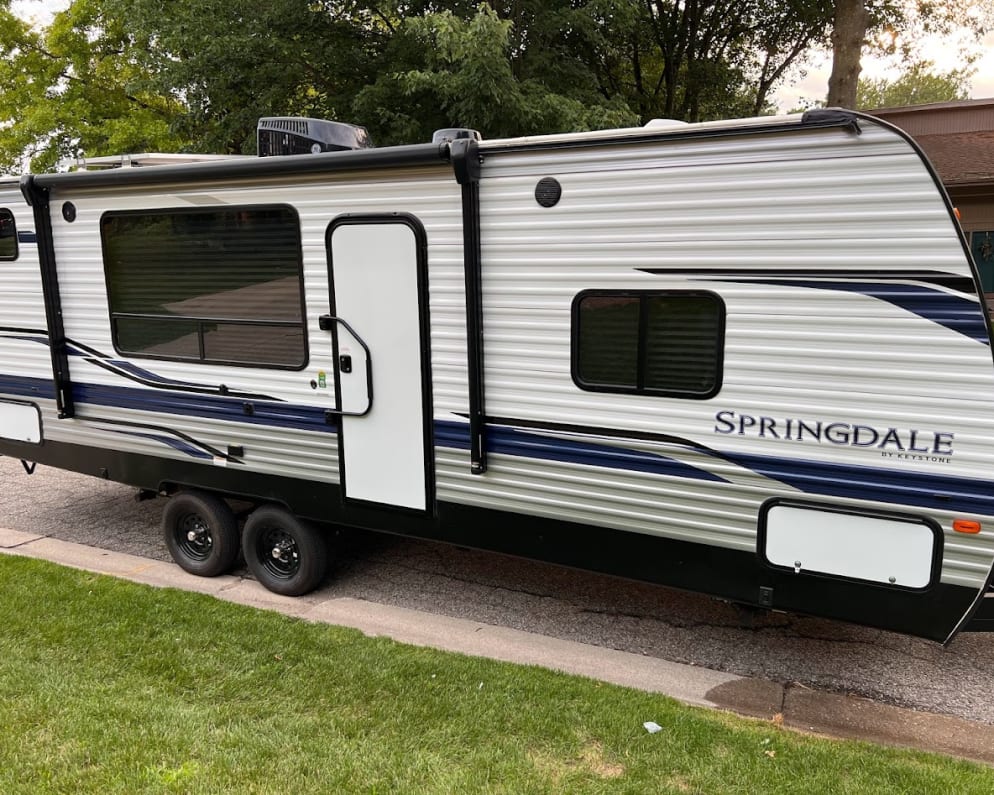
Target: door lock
{"points": [[345, 363]]}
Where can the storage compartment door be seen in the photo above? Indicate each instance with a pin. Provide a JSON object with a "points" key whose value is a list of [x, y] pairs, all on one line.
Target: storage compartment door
{"points": [[900, 551]]}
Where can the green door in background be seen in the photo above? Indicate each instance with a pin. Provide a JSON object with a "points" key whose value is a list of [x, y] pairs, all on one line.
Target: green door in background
{"points": [[982, 246]]}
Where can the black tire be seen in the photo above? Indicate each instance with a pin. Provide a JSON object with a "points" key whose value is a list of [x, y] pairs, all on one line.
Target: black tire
{"points": [[287, 555], [201, 533]]}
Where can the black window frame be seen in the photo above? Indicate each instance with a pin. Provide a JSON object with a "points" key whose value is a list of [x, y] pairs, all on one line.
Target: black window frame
{"points": [[202, 358], [641, 350], [17, 247]]}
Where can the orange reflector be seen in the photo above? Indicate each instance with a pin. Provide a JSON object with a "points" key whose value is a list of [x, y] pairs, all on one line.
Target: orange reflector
{"points": [[956, 210], [966, 526]]}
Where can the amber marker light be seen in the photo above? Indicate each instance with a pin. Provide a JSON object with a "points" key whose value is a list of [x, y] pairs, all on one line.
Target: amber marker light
{"points": [[966, 526], [958, 216]]}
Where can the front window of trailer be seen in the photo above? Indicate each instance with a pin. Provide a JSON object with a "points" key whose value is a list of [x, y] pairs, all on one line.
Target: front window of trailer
{"points": [[207, 285]]}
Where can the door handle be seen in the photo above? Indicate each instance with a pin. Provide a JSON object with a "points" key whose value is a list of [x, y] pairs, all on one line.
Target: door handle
{"points": [[330, 323]]}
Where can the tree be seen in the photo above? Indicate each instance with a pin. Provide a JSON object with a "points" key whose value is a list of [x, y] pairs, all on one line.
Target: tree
{"points": [[904, 23], [564, 64], [448, 71], [197, 74], [848, 32], [918, 85], [705, 59], [787, 31], [65, 91], [233, 61]]}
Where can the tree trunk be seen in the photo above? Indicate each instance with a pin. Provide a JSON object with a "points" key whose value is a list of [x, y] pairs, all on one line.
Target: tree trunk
{"points": [[848, 34]]}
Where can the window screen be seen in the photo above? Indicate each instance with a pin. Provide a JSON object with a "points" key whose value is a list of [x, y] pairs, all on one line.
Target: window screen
{"points": [[656, 343], [8, 235], [211, 285]]}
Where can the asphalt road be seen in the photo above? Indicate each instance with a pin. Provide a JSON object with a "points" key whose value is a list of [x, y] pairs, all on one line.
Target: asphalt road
{"points": [[558, 602]]}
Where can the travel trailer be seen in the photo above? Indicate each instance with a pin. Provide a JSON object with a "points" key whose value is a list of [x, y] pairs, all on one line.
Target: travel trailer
{"points": [[749, 358]]}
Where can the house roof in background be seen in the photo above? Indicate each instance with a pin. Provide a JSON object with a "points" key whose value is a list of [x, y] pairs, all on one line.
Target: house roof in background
{"points": [[958, 137], [961, 158]]}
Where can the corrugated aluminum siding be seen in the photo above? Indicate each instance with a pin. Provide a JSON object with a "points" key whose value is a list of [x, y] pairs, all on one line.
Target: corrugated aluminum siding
{"points": [[818, 199]]}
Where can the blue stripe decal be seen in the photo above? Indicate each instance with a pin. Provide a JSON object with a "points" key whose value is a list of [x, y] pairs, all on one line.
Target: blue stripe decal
{"points": [[148, 375], [27, 387], [957, 313], [176, 444], [190, 404], [27, 338], [905, 487], [452, 434], [875, 484], [70, 348], [121, 366], [510, 441]]}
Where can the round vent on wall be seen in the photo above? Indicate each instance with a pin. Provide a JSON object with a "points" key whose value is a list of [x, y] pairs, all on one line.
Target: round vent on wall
{"points": [[548, 192]]}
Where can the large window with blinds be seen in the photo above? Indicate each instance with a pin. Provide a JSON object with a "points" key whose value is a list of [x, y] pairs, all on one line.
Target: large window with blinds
{"points": [[8, 235], [659, 343], [222, 286]]}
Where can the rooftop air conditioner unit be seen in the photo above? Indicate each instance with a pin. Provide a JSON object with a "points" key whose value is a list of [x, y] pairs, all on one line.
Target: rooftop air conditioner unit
{"points": [[299, 136]]}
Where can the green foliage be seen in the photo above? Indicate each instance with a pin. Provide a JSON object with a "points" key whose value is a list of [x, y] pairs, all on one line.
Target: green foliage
{"points": [[918, 85], [710, 59], [111, 687], [67, 90], [197, 74], [233, 61], [109, 76], [447, 71]]}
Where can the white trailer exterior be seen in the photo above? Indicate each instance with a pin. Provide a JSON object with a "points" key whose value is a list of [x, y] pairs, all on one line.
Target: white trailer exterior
{"points": [[748, 358]]}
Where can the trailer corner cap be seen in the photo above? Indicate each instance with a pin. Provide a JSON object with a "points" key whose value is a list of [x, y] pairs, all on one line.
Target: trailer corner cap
{"points": [[29, 189], [832, 117]]}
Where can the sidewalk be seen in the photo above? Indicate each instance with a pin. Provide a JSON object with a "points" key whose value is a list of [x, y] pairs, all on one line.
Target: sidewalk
{"points": [[797, 707]]}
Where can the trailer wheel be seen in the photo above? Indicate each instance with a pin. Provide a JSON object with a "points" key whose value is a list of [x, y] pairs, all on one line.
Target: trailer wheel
{"points": [[201, 533], [287, 555]]}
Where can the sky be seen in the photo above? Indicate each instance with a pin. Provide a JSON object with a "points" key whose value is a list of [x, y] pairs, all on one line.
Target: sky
{"points": [[813, 85], [943, 52]]}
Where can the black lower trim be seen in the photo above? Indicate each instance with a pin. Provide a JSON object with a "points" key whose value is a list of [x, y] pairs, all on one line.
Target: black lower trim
{"points": [[983, 619], [155, 474], [730, 574]]}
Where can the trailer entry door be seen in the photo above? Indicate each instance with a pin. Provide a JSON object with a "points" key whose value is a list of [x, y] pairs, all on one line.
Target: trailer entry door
{"points": [[378, 282]]}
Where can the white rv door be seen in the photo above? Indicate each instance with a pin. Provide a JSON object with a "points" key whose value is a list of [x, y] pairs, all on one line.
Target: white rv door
{"points": [[378, 275]]}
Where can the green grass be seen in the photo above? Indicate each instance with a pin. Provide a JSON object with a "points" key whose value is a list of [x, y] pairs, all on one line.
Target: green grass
{"points": [[109, 687]]}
